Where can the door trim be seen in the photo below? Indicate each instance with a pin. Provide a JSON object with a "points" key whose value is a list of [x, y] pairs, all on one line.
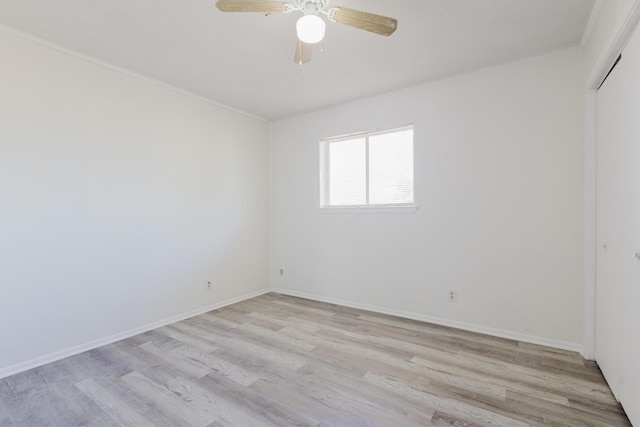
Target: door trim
{"points": [[606, 60]]}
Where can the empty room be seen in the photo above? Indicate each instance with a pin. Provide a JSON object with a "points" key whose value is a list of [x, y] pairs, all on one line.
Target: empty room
{"points": [[319, 213]]}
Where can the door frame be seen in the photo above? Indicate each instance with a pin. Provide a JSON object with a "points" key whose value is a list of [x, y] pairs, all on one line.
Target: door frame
{"points": [[607, 58]]}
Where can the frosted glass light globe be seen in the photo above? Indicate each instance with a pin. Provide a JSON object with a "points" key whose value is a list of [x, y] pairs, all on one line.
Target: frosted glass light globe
{"points": [[310, 29]]}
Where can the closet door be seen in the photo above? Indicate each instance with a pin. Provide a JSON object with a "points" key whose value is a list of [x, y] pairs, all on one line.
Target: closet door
{"points": [[618, 261]]}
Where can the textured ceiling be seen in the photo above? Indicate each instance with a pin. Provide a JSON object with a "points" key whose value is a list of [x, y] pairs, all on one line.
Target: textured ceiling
{"points": [[245, 60]]}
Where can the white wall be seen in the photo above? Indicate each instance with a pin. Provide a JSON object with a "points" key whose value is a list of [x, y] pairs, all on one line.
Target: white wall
{"points": [[119, 199], [498, 167]]}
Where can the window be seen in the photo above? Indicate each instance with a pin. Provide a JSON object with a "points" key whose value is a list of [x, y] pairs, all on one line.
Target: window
{"points": [[372, 169]]}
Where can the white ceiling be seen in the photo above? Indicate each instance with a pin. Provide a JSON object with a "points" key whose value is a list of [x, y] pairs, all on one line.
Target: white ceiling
{"points": [[245, 60]]}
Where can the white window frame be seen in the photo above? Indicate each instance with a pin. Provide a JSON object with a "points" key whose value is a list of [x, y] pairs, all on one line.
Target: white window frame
{"points": [[364, 208]]}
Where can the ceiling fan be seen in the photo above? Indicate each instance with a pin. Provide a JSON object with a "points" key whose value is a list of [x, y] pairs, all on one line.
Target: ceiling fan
{"points": [[310, 27]]}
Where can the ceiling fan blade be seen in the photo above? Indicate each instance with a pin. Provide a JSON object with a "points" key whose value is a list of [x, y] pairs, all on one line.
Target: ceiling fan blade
{"points": [[250, 6], [303, 53], [366, 21]]}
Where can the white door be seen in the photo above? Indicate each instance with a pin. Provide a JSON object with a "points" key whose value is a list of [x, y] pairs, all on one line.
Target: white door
{"points": [[618, 231]]}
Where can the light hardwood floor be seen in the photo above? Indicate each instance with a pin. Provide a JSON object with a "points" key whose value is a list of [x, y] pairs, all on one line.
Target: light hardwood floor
{"points": [[282, 361]]}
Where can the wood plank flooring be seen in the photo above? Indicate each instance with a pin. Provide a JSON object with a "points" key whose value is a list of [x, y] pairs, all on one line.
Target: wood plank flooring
{"points": [[276, 360]]}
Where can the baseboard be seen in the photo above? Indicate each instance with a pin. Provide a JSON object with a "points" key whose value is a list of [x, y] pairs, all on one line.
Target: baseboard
{"points": [[532, 339], [72, 351]]}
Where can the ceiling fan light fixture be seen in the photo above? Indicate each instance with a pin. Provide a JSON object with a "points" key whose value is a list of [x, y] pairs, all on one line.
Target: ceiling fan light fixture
{"points": [[310, 28]]}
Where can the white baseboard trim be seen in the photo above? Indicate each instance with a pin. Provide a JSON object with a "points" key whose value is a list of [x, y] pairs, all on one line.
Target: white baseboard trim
{"points": [[72, 351], [532, 339]]}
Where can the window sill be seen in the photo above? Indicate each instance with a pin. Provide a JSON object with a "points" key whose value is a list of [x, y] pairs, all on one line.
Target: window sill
{"points": [[383, 209]]}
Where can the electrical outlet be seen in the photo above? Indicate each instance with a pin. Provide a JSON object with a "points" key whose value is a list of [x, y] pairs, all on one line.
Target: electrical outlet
{"points": [[209, 286], [453, 296]]}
